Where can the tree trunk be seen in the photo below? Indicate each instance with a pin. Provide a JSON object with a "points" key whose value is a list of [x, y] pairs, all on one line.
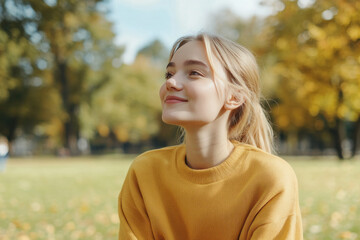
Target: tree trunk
{"points": [[73, 134], [338, 136], [338, 130], [11, 133], [355, 137], [70, 124]]}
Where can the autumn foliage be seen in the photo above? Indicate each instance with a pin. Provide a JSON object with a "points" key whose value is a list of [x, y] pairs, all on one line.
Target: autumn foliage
{"points": [[317, 68], [62, 78]]}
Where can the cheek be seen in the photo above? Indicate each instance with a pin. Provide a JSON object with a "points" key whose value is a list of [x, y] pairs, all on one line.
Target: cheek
{"points": [[162, 92], [204, 92]]}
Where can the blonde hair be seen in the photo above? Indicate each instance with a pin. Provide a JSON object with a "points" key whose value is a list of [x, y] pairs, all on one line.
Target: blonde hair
{"points": [[248, 123]]}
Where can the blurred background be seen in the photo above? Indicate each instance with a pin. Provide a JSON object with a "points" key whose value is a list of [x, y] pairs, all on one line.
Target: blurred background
{"points": [[79, 85], [82, 77]]}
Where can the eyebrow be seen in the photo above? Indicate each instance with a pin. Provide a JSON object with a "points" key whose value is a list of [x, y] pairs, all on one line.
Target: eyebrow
{"points": [[189, 62]]}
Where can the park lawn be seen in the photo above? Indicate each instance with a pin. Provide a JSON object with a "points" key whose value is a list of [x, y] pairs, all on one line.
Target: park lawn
{"points": [[62, 198], [58, 198], [329, 197]]}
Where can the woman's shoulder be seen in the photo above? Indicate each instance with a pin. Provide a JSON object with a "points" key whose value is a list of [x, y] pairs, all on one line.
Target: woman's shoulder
{"points": [[269, 168]]}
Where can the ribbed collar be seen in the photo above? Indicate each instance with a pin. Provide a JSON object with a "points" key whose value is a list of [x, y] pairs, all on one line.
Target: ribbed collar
{"points": [[213, 174]]}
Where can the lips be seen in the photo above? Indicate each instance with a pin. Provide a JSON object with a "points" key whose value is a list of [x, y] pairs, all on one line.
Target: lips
{"points": [[174, 99]]}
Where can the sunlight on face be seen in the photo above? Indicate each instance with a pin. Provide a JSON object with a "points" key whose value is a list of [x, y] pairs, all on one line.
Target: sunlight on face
{"points": [[190, 96]]}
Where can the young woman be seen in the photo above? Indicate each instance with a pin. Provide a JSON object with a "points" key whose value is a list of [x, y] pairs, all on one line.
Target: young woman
{"points": [[223, 182]]}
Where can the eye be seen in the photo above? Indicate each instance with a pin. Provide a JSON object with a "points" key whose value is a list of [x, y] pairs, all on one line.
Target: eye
{"points": [[195, 73], [168, 75]]}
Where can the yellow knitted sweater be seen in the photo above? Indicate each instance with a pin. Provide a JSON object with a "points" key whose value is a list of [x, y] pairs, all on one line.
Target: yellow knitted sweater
{"points": [[251, 195]]}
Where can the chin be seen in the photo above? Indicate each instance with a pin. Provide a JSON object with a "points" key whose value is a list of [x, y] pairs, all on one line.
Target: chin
{"points": [[171, 120], [175, 118], [182, 121]]}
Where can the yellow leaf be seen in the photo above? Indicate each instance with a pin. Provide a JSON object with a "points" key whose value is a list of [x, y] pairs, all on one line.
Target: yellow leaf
{"points": [[316, 32], [84, 208], [283, 121], [343, 18], [314, 110], [121, 133], [347, 235], [354, 32], [103, 130], [70, 226], [70, 20], [23, 237], [282, 44]]}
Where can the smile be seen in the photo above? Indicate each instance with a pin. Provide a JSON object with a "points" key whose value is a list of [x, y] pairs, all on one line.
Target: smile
{"points": [[174, 99]]}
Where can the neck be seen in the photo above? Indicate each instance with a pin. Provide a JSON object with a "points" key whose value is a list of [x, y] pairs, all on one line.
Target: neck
{"points": [[206, 148]]}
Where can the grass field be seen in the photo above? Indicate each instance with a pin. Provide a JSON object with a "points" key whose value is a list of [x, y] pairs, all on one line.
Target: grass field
{"points": [[59, 198]]}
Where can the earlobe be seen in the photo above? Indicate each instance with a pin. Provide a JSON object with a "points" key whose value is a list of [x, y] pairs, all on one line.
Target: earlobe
{"points": [[233, 102]]}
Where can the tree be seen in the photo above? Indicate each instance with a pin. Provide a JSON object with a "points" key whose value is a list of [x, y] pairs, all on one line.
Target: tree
{"points": [[27, 97], [128, 107], [156, 51], [243, 31], [316, 50], [64, 45], [81, 44]]}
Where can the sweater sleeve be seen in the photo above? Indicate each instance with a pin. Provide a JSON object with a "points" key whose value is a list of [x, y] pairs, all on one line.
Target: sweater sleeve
{"points": [[278, 215], [134, 220], [288, 228]]}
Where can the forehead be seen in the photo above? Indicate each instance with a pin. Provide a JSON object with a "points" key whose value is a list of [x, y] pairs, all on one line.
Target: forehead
{"points": [[194, 50]]}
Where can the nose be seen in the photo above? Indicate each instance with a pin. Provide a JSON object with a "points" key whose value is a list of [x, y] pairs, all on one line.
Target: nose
{"points": [[173, 84]]}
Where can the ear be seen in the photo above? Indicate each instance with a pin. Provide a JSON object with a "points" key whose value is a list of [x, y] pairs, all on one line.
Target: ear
{"points": [[233, 102]]}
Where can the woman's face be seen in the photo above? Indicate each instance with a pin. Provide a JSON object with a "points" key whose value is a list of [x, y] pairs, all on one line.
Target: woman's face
{"points": [[189, 96]]}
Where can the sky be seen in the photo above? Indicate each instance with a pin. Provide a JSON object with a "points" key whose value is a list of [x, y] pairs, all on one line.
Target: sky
{"points": [[137, 22]]}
